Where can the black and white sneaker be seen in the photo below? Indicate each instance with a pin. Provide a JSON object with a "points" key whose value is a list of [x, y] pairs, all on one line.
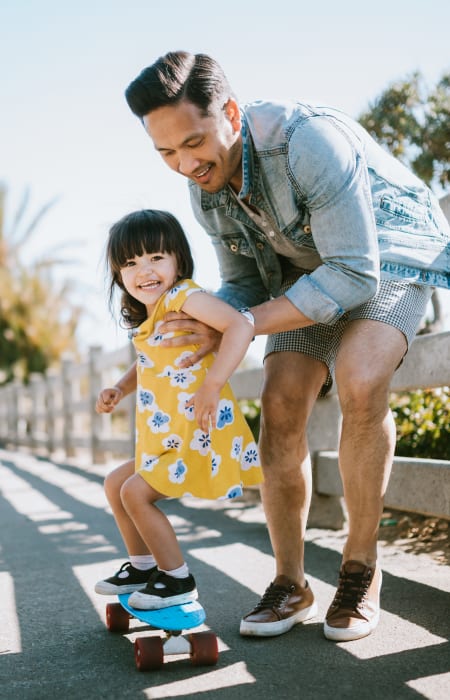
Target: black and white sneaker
{"points": [[126, 580], [163, 590]]}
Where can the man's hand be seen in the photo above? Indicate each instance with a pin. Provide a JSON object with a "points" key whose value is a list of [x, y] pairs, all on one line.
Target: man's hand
{"points": [[108, 399], [197, 333]]}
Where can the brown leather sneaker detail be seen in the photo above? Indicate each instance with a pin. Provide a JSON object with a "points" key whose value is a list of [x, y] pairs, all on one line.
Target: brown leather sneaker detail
{"points": [[355, 610], [283, 605]]}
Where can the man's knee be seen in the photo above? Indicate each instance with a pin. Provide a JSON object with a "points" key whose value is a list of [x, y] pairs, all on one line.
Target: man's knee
{"points": [[364, 392]]}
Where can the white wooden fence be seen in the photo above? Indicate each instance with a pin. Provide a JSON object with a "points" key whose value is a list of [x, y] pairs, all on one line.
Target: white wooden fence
{"points": [[55, 412]]}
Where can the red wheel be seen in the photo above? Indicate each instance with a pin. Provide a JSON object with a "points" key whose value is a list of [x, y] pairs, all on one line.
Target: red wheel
{"points": [[204, 649], [117, 618], [148, 653]]}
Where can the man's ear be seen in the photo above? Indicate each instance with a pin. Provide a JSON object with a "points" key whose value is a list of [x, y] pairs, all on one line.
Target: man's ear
{"points": [[233, 114]]}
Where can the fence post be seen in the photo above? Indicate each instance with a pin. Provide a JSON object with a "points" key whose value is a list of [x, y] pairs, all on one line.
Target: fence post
{"points": [[67, 404], [96, 420], [14, 414], [50, 385]]}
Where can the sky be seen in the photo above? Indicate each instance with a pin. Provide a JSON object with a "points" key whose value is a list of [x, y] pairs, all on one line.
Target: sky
{"points": [[66, 132]]}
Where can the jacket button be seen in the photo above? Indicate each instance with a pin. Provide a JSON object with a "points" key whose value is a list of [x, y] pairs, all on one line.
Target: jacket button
{"points": [[233, 247], [307, 228], [260, 246]]}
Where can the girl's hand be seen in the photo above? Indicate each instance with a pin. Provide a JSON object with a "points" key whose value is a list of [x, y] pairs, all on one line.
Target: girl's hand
{"points": [[205, 402], [108, 399], [197, 333]]}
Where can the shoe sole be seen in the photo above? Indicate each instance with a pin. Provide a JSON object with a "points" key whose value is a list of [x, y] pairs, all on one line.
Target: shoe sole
{"points": [[110, 589], [272, 629], [146, 602], [348, 634]]}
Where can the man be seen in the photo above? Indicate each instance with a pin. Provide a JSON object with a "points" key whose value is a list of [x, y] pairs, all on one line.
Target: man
{"points": [[336, 246]]}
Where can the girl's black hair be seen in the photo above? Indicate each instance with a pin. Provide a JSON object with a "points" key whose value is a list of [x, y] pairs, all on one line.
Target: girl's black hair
{"points": [[144, 231]]}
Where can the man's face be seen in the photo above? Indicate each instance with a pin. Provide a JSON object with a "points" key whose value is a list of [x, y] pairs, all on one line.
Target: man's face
{"points": [[207, 150]]}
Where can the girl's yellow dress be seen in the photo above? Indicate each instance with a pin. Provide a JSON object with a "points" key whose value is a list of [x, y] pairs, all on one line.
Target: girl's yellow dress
{"points": [[173, 454]]}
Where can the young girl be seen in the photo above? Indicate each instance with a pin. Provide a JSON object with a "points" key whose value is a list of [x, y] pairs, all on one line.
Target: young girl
{"points": [[191, 437]]}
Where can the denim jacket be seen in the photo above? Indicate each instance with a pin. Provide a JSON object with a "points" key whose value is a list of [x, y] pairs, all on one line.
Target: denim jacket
{"points": [[355, 212]]}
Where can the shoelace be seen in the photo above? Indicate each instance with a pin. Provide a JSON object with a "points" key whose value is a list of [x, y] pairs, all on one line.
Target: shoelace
{"points": [[274, 597], [351, 590]]}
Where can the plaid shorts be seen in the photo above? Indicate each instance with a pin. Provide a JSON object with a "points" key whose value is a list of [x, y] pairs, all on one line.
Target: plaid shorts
{"points": [[400, 304]]}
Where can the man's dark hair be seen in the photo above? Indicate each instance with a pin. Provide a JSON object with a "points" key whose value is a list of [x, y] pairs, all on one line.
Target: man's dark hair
{"points": [[179, 76]]}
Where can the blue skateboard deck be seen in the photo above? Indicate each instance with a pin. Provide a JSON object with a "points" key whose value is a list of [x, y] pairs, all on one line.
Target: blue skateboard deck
{"points": [[173, 619], [149, 652]]}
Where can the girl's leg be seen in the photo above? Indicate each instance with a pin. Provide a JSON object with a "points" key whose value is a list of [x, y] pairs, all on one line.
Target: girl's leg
{"points": [[114, 481], [151, 524]]}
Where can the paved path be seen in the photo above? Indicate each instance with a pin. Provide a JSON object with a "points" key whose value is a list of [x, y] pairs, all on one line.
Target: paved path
{"points": [[57, 538]]}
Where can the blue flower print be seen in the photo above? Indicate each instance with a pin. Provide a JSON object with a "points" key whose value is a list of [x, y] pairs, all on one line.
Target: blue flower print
{"points": [[148, 462], [234, 492], [236, 448], [201, 442], [173, 293], [159, 422], [177, 472], [156, 338], [225, 413], [145, 399], [178, 377], [250, 458], [183, 398], [143, 361], [172, 442], [215, 463]]}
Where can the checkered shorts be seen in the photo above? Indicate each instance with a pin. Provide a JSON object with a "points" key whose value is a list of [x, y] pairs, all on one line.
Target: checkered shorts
{"points": [[400, 304]]}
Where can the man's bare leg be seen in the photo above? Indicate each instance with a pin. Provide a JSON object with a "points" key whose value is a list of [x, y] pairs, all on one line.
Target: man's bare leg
{"points": [[368, 356], [292, 383]]}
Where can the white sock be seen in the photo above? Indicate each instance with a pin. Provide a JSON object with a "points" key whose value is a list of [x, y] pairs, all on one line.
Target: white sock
{"points": [[181, 572], [143, 562]]}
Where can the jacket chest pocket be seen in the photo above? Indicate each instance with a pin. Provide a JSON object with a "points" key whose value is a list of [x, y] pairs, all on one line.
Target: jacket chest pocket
{"points": [[237, 245]]}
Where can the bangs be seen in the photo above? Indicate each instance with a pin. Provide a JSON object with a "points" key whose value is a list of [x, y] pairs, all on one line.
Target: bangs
{"points": [[136, 241]]}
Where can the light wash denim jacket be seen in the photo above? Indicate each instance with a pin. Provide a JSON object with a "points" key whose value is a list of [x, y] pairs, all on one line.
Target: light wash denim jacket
{"points": [[328, 187]]}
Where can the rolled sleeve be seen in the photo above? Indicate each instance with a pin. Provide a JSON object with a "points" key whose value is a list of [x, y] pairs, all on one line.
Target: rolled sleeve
{"points": [[332, 178]]}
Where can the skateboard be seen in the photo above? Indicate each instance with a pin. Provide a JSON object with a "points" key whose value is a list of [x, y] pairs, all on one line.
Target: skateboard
{"points": [[149, 652]]}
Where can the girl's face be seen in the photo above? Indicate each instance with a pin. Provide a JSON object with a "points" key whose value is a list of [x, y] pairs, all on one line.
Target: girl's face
{"points": [[147, 277]]}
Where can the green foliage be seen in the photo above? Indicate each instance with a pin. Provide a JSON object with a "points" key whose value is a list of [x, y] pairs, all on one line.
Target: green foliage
{"points": [[413, 122], [422, 418], [252, 411], [37, 318]]}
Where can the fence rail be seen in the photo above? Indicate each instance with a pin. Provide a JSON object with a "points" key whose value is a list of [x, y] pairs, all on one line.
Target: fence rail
{"points": [[56, 411]]}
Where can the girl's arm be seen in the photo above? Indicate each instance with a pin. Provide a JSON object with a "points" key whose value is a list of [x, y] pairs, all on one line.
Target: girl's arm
{"points": [[237, 332], [109, 397]]}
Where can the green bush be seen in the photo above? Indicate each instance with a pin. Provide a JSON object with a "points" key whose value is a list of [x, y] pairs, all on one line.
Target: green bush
{"points": [[422, 418]]}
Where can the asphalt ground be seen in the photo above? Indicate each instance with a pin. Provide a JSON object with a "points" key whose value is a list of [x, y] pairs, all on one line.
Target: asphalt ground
{"points": [[57, 538]]}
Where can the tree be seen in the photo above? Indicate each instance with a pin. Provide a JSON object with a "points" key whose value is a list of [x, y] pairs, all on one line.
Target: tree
{"points": [[37, 318], [413, 122]]}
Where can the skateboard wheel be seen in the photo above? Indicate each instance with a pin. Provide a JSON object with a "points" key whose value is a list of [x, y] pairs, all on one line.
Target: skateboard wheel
{"points": [[117, 619], [204, 649], [148, 653]]}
